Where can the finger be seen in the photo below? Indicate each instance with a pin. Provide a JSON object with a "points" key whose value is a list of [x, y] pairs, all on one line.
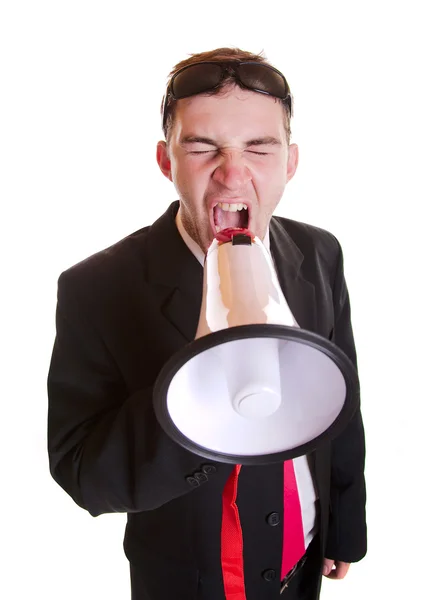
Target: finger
{"points": [[340, 571]]}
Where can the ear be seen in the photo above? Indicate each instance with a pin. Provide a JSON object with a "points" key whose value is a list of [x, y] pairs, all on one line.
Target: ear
{"points": [[293, 160], [163, 159]]}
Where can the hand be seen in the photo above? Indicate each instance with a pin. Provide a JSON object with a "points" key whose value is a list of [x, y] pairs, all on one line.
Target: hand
{"points": [[335, 569]]}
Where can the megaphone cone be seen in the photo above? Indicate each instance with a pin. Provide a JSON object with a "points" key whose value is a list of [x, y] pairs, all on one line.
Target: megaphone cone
{"points": [[253, 387]]}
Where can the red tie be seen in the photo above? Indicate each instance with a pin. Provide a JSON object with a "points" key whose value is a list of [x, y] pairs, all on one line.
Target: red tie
{"points": [[293, 535], [232, 535], [232, 541]]}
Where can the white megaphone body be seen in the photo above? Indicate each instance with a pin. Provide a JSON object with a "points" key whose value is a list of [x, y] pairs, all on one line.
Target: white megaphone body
{"points": [[253, 387]]}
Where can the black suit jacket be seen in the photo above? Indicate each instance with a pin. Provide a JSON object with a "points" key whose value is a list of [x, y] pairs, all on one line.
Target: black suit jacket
{"points": [[120, 315]]}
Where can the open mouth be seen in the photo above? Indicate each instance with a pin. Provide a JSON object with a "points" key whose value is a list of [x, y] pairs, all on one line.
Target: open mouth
{"points": [[230, 215]]}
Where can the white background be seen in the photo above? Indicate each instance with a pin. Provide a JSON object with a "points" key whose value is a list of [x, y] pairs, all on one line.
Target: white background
{"points": [[81, 84]]}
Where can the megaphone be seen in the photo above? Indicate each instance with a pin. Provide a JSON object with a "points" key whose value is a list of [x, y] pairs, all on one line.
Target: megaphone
{"points": [[253, 387]]}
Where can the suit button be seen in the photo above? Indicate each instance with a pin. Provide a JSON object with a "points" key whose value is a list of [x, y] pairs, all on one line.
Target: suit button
{"points": [[192, 481], [269, 575], [201, 477], [273, 519], [208, 469]]}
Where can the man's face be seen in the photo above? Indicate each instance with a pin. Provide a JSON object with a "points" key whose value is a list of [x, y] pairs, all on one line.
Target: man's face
{"points": [[228, 152]]}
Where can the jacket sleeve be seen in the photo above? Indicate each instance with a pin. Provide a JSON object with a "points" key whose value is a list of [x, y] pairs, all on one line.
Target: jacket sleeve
{"points": [[106, 448], [347, 536]]}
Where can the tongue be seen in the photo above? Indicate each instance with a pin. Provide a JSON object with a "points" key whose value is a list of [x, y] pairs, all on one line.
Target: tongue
{"points": [[225, 218]]}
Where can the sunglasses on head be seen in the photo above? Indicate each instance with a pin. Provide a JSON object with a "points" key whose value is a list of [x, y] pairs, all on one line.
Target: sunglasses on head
{"points": [[208, 75]]}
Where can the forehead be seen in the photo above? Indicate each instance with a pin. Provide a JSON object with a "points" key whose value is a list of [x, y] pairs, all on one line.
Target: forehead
{"points": [[234, 114]]}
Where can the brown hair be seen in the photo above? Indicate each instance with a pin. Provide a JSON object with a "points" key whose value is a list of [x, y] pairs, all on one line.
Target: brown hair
{"points": [[218, 55]]}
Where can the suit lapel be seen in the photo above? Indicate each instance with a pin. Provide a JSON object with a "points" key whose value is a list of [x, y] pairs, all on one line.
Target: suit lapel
{"points": [[176, 274], [183, 310], [299, 293]]}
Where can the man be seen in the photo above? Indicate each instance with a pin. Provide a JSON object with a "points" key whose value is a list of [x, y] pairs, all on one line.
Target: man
{"points": [[125, 311]]}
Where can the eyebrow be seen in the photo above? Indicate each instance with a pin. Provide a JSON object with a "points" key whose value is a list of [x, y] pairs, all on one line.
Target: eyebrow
{"points": [[262, 141]]}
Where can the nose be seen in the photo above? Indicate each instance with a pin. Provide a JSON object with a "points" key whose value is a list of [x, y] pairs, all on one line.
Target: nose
{"points": [[232, 171]]}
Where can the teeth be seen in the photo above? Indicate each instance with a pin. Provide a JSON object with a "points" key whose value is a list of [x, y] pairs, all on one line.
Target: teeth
{"points": [[232, 207]]}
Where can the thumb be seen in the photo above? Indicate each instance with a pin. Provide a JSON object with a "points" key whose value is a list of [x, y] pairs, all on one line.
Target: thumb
{"points": [[327, 566]]}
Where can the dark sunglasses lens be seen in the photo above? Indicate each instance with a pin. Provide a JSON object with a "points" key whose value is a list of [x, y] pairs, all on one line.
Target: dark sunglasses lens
{"points": [[196, 79], [262, 78]]}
